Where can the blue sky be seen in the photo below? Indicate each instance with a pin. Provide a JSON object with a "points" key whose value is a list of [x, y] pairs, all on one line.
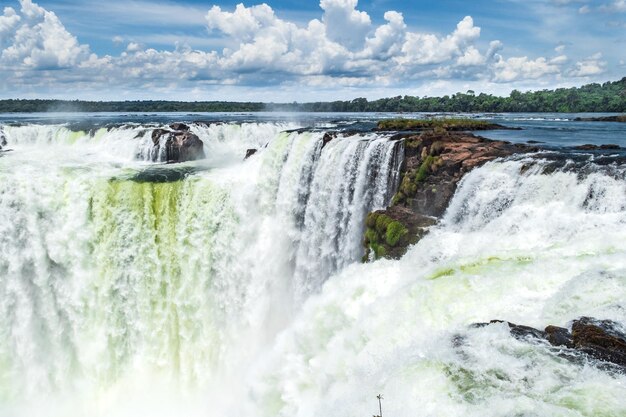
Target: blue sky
{"points": [[304, 50]]}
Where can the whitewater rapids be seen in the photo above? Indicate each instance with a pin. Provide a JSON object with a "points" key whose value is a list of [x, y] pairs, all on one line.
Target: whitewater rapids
{"points": [[235, 288]]}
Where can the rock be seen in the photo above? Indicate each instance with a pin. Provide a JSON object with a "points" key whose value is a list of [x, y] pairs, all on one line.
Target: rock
{"points": [[517, 331], [433, 165], [559, 336], [327, 138], [181, 127], [445, 124], [620, 118], [591, 147], [407, 228], [250, 152], [3, 139], [179, 146], [157, 133], [601, 339]]}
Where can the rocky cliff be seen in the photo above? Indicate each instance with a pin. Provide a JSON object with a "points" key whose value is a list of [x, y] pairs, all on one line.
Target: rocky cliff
{"points": [[434, 162]]}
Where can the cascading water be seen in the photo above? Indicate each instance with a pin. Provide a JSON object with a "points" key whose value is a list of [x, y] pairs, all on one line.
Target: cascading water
{"points": [[518, 243], [233, 287], [121, 279]]}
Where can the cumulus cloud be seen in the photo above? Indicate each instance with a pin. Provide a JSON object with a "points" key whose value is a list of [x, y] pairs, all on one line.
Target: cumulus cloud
{"points": [[38, 39], [342, 48], [593, 65], [343, 23], [520, 68]]}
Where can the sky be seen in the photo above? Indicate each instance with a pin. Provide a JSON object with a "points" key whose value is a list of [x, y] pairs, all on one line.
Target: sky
{"points": [[289, 50]]}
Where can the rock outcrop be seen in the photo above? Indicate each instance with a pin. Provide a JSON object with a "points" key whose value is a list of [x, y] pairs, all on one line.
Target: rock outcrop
{"points": [[621, 118], [602, 340], [176, 146], [181, 127], [3, 140], [443, 124], [604, 147], [434, 163], [250, 152]]}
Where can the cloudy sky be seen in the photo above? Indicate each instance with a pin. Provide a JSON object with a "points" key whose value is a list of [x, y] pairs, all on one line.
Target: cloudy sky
{"points": [[302, 50]]}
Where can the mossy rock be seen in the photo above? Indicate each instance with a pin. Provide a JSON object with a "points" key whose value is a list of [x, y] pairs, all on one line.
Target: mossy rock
{"points": [[395, 232]]}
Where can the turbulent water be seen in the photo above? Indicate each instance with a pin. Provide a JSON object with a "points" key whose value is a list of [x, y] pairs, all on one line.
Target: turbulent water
{"points": [[232, 287]]}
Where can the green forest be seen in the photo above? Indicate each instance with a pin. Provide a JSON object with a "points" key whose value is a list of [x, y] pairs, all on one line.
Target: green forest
{"points": [[606, 97]]}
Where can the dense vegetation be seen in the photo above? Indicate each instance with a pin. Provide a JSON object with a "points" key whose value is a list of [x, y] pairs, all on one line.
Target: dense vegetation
{"points": [[607, 97], [449, 124]]}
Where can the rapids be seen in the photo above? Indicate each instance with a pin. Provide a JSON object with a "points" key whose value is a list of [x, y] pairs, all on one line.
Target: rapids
{"points": [[235, 288]]}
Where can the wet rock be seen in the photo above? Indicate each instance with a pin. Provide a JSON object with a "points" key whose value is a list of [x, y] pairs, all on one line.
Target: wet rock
{"points": [[591, 147], [518, 331], [601, 339], [250, 152], [621, 118], [327, 138], [389, 232], [181, 127], [3, 140], [178, 146], [604, 340], [559, 336]]}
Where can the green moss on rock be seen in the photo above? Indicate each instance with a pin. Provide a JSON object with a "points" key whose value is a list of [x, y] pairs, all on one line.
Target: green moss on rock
{"points": [[382, 234], [395, 232]]}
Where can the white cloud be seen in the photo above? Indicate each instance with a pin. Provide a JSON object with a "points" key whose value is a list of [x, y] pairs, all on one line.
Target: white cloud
{"points": [[134, 47], [523, 68], [388, 38], [344, 24], [342, 48], [423, 49], [589, 66], [38, 39]]}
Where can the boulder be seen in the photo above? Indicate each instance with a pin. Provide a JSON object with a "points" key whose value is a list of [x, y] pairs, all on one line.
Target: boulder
{"points": [[181, 127], [603, 340], [559, 336], [179, 146], [250, 152], [3, 140], [327, 138]]}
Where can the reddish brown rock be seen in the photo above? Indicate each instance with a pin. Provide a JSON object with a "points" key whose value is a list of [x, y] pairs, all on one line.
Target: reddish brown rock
{"points": [[177, 146], [434, 163]]}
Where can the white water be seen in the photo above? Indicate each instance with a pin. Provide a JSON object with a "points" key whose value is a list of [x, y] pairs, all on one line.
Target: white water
{"points": [[529, 248], [116, 292], [236, 291]]}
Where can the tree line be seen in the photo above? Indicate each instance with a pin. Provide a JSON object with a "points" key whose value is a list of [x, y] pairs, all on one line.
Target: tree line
{"points": [[606, 97]]}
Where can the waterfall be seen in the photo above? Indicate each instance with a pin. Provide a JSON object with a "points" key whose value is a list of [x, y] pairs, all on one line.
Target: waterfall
{"points": [[521, 242], [115, 272], [235, 287]]}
